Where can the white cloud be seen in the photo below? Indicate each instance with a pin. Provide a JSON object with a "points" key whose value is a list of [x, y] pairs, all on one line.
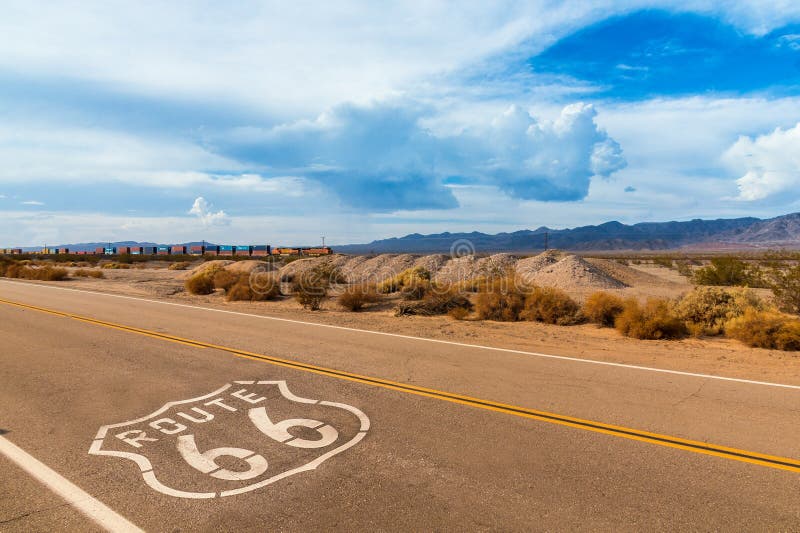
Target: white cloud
{"points": [[770, 162], [202, 210], [32, 202]]}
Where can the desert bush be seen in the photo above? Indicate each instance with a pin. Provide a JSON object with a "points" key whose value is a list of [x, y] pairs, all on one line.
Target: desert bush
{"points": [[551, 306], [254, 287], [200, 283], [603, 308], [655, 320], [117, 266], [785, 285], [180, 265], [45, 273], [706, 310], [438, 301], [223, 279], [501, 300], [665, 262], [311, 288], [405, 279], [86, 273], [357, 296], [728, 271], [683, 268], [765, 329], [459, 313]]}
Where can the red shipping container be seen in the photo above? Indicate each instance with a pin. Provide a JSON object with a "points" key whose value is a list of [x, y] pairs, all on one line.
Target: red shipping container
{"points": [[100, 251], [178, 250], [124, 250], [260, 253]]}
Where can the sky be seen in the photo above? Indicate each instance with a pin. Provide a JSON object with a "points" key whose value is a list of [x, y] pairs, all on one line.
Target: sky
{"points": [[250, 122]]}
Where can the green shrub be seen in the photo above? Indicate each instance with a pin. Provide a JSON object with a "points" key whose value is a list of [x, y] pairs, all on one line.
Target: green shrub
{"points": [[551, 306], [765, 329], [785, 285], [357, 296], [706, 310], [501, 300], [728, 271], [603, 308], [655, 320]]}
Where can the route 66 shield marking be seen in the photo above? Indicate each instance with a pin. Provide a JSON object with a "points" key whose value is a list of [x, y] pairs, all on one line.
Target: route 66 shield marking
{"points": [[241, 437]]}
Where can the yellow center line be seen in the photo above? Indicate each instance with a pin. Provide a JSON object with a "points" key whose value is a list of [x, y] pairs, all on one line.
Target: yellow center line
{"points": [[734, 454]]}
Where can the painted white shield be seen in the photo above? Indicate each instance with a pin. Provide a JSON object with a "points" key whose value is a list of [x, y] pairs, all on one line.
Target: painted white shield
{"points": [[243, 436]]}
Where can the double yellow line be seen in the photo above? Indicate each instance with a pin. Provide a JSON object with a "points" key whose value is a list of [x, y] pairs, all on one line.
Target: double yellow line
{"points": [[734, 454]]}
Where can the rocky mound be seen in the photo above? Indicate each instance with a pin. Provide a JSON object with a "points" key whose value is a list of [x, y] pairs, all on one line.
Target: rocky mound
{"points": [[573, 273]]}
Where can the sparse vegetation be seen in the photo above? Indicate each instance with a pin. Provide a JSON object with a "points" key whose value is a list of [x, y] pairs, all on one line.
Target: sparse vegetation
{"points": [[180, 265], [439, 300], [44, 273], [603, 308], [87, 273], [551, 306], [654, 320], [116, 266], [357, 296], [765, 329], [254, 287], [311, 288], [405, 280]]}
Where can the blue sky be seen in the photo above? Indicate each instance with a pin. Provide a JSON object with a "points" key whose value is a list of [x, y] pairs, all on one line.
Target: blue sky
{"points": [[254, 121]]}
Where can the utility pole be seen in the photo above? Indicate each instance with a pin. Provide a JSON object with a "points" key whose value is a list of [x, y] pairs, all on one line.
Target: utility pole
{"points": [[546, 243], [323, 241]]}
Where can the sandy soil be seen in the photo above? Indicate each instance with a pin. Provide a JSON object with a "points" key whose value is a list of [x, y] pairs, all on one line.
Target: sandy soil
{"points": [[707, 355]]}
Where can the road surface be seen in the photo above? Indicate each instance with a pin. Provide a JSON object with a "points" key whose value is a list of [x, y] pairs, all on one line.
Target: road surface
{"points": [[120, 413]]}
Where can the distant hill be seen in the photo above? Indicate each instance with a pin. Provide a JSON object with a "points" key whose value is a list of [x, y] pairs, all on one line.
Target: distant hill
{"points": [[749, 232]]}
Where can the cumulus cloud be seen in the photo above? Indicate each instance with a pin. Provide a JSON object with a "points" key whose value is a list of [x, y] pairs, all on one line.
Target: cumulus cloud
{"points": [[202, 210], [770, 162], [380, 157]]}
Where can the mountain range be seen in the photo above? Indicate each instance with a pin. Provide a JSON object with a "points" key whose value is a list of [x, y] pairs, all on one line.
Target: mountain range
{"points": [[748, 232], [735, 233]]}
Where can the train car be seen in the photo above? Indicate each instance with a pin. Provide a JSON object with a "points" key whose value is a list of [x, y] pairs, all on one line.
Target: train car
{"points": [[16, 251], [243, 250], [211, 250], [178, 250], [135, 250], [226, 249], [162, 250], [286, 251], [99, 251], [110, 251], [197, 250], [261, 251], [317, 251], [63, 251], [124, 250], [149, 250]]}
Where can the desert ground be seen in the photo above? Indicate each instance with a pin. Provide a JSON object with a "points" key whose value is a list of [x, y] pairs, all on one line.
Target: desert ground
{"points": [[576, 275]]}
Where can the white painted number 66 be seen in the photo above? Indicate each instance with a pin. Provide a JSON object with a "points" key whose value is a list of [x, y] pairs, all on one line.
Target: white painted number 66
{"points": [[206, 461]]}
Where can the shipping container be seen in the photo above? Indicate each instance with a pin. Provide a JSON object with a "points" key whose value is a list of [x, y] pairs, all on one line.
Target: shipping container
{"points": [[178, 250], [211, 250], [197, 250], [149, 250], [63, 250], [244, 250], [317, 251], [226, 249], [124, 250], [16, 251], [110, 251], [135, 250], [99, 251], [163, 250]]}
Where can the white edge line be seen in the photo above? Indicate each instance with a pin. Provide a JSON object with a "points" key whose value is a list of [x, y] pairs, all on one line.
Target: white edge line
{"points": [[438, 341], [87, 504]]}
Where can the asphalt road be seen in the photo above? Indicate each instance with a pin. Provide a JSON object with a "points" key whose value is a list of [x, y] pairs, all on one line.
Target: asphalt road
{"points": [[215, 433]]}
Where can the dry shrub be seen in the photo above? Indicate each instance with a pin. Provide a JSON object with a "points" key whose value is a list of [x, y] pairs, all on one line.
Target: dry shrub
{"points": [[440, 300], [45, 273], [357, 296], [116, 266], [655, 320], [765, 329], [223, 279], [311, 288], [551, 306], [603, 308], [255, 287], [459, 313], [502, 300], [200, 283], [86, 273], [404, 280], [706, 310], [181, 265]]}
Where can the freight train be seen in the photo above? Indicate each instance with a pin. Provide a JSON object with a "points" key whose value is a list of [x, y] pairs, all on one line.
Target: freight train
{"points": [[204, 250]]}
